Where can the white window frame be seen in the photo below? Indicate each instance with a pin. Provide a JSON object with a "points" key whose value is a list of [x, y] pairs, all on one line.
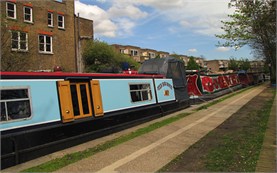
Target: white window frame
{"points": [[14, 10], [6, 101], [60, 21], [45, 44], [140, 93], [121, 51], [19, 41], [31, 14], [50, 19], [134, 52], [151, 55]]}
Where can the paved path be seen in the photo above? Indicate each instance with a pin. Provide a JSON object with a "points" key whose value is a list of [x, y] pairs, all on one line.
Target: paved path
{"points": [[265, 162], [150, 152]]}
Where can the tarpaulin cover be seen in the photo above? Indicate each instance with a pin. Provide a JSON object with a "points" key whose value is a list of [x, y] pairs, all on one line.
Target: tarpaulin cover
{"points": [[170, 68]]}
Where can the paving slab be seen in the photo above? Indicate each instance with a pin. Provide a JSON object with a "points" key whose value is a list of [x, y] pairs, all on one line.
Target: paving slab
{"points": [[150, 152]]}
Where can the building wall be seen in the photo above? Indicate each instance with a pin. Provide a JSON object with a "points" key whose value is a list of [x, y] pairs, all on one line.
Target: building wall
{"points": [[148, 54], [132, 51], [84, 33], [257, 66], [142, 54], [212, 65], [120, 48], [63, 44], [185, 59], [163, 54], [200, 62], [217, 66]]}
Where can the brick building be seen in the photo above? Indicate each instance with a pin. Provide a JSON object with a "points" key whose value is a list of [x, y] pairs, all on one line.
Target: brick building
{"points": [[38, 35], [200, 62], [217, 66], [257, 66], [139, 54], [84, 32], [148, 54], [132, 51], [163, 54]]}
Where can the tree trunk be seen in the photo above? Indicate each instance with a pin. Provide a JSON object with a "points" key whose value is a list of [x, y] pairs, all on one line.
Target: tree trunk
{"points": [[273, 70]]}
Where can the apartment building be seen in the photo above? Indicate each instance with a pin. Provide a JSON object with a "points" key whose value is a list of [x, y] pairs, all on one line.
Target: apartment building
{"points": [[185, 59], [139, 54], [132, 51], [120, 48], [222, 66], [149, 54], [163, 54], [217, 66], [200, 62], [39, 35], [257, 66]]}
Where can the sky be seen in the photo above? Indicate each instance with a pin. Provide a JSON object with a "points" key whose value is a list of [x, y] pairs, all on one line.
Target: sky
{"points": [[185, 27]]}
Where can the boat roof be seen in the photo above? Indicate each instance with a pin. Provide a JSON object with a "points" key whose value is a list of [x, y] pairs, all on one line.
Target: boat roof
{"points": [[68, 75]]}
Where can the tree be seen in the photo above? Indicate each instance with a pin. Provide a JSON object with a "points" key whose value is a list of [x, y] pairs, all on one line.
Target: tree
{"points": [[101, 57], [233, 64], [15, 59], [192, 65], [121, 58], [242, 64], [253, 24], [98, 56], [158, 56]]}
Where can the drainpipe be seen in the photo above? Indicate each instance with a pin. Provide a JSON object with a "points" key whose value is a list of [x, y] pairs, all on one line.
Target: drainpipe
{"points": [[78, 46]]}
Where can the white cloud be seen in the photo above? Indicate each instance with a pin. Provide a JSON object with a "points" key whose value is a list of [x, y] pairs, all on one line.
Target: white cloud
{"points": [[192, 50], [202, 17], [125, 27], [103, 25], [129, 11], [161, 4], [101, 1], [106, 28], [223, 49], [199, 16], [118, 20]]}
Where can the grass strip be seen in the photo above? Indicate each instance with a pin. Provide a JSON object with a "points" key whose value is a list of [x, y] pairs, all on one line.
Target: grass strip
{"points": [[68, 159], [58, 163], [241, 154]]}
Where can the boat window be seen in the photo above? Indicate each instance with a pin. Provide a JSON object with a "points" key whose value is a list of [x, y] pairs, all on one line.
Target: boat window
{"points": [[80, 97], [74, 98], [140, 92], [83, 90], [15, 104]]}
